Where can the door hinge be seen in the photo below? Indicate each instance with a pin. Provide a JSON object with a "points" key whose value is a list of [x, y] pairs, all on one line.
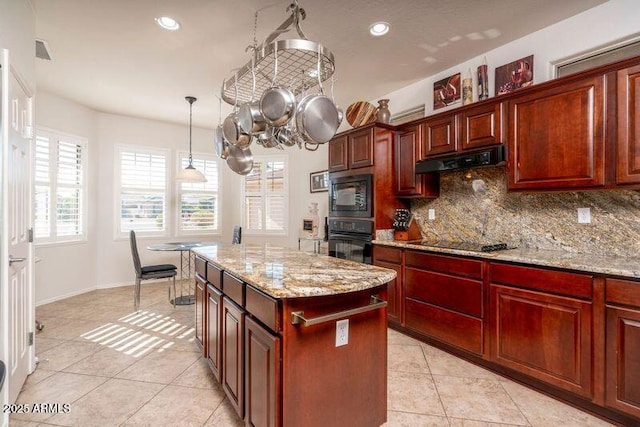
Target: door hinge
{"points": [[30, 338], [31, 235]]}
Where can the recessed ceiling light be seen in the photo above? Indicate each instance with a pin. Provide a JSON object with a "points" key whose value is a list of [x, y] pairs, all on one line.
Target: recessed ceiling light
{"points": [[379, 28], [168, 23]]}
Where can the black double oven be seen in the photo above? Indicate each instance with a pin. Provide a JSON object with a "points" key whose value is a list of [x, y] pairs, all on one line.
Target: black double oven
{"points": [[351, 218]]}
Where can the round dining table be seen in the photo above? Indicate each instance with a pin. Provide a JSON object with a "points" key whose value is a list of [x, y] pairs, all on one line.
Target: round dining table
{"points": [[187, 264]]}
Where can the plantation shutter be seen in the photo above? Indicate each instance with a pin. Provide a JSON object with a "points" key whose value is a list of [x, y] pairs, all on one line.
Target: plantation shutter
{"points": [[69, 195], [265, 200], [42, 196], [199, 201]]}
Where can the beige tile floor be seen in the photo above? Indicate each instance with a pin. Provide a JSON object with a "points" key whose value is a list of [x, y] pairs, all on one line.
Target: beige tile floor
{"points": [[118, 368]]}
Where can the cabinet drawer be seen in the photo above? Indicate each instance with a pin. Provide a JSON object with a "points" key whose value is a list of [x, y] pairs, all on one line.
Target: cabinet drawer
{"points": [[557, 282], [263, 308], [446, 264], [453, 328], [233, 288], [624, 292], [383, 253], [454, 293], [201, 267], [214, 275]]}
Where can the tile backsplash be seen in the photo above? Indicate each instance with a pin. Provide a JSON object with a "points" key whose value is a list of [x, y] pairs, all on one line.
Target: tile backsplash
{"points": [[478, 208]]}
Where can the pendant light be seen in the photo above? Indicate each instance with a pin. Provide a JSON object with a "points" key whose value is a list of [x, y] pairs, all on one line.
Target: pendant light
{"points": [[190, 173]]}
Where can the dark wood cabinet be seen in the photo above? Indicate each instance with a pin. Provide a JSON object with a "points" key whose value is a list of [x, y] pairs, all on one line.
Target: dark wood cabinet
{"points": [[338, 154], [200, 313], [444, 299], [407, 151], [233, 318], [542, 334], [628, 147], [214, 330], [262, 374], [439, 136], [352, 150], [481, 126], [623, 346], [556, 137], [392, 258]]}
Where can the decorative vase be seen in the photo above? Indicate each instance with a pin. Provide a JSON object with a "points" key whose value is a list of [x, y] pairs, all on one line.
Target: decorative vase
{"points": [[467, 90], [383, 115]]}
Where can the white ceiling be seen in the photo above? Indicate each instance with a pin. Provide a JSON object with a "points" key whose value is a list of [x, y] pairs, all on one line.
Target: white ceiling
{"points": [[111, 56]]}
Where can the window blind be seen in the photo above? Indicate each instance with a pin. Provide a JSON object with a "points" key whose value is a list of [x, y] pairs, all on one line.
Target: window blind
{"points": [[265, 199], [199, 208]]}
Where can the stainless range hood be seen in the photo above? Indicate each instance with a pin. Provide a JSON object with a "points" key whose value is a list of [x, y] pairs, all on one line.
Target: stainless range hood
{"points": [[493, 156]]}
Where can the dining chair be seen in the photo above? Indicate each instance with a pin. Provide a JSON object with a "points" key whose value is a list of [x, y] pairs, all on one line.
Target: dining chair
{"points": [[158, 271], [237, 235]]}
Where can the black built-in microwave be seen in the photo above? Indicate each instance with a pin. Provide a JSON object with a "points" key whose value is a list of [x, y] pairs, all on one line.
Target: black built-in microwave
{"points": [[351, 196]]}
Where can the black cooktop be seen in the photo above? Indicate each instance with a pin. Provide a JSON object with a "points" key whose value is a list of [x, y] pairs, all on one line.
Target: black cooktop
{"points": [[468, 246]]}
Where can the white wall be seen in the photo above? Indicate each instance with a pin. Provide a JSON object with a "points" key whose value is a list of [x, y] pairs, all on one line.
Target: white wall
{"points": [[596, 27]]}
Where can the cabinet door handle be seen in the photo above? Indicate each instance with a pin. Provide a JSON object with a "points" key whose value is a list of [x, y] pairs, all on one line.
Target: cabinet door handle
{"points": [[13, 259], [297, 317]]}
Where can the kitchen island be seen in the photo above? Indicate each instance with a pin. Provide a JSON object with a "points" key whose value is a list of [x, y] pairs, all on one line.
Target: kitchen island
{"points": [[294, 338]]}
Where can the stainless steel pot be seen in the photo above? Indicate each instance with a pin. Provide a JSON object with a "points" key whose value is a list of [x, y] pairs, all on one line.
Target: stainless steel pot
{"points": [[240, 160], [277, 103], [220, 143], [250, 118], [317, 118], [284, 135], [233, 134]]}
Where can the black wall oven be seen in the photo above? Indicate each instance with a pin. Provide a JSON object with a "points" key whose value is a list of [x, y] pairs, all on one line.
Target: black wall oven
{"points": [[351, 196], [351, 239]]}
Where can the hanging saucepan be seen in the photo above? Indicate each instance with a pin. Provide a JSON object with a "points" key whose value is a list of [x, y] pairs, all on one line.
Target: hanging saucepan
{"points": [[277, 103], [218, 138], [249, 115], [240, 160], [317, 115], [267, 138], [231, 128], [284, 135]]}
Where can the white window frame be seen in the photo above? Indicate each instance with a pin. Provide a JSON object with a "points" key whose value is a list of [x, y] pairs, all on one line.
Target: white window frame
{"points": [[285, 192], [179, 192], [54, 137], [119, 148]]}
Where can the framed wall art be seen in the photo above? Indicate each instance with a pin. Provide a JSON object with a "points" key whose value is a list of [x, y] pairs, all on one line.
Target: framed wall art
{"points": [[446, 91], [514, 75], [319, 181]]}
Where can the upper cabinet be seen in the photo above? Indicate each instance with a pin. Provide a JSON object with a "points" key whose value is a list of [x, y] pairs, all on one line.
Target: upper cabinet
{"points": [[556, 137], [407, 151], [352, 150], [628, 147], [480, 126], [440, 136]]}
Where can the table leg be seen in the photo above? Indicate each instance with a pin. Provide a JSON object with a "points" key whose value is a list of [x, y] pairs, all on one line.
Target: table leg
{"points": [[186, 266]]}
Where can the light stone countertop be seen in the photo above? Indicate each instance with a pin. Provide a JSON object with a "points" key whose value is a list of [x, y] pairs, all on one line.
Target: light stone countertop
{"points": [[609, 265], [288, 273]]}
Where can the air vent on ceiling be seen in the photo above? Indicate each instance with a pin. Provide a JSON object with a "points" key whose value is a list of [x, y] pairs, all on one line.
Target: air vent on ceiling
{"points": [[42, 50]]}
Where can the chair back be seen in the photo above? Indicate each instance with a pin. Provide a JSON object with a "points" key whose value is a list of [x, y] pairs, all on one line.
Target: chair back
{"points": [[237, 235], [134, 253]]}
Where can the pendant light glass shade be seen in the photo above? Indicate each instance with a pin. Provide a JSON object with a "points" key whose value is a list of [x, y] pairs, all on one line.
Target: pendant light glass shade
{"points": [[190, 173]]}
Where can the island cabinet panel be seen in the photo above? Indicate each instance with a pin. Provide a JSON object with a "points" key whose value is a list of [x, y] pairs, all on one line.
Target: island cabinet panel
{"points": [[324, 384], [439, 136], [556, 137], [545, 336], [200, 297], [392, 258], [214, 275], [407, 151], [214, 330], [628, 138], [262, 376], [623, 346], [444, 299], [233, 288], [481, 126], [338, 154], [233, 318]]}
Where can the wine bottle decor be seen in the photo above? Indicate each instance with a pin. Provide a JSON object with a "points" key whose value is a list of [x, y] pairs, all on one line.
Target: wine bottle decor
{"points": [[483, 81]]}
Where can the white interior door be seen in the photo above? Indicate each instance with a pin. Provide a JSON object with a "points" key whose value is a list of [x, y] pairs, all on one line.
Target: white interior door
{"points": [[18, 132]]}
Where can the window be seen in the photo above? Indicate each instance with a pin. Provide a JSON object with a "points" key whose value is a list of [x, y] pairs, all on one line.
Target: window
{"points": [[142, 199], [59, 187], [199, 202], [265, 196]]}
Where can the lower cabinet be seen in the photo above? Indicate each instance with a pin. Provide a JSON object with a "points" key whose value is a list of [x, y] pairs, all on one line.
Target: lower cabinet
{"points": [[392, 258], [214, 330], [541, 325], [262, 374], [623, 345], [200, 299], [233, 318]]}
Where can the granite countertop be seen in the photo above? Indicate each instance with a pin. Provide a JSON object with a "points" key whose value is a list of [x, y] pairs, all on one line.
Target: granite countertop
{"points": [[288, 273], [609, 265]]}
